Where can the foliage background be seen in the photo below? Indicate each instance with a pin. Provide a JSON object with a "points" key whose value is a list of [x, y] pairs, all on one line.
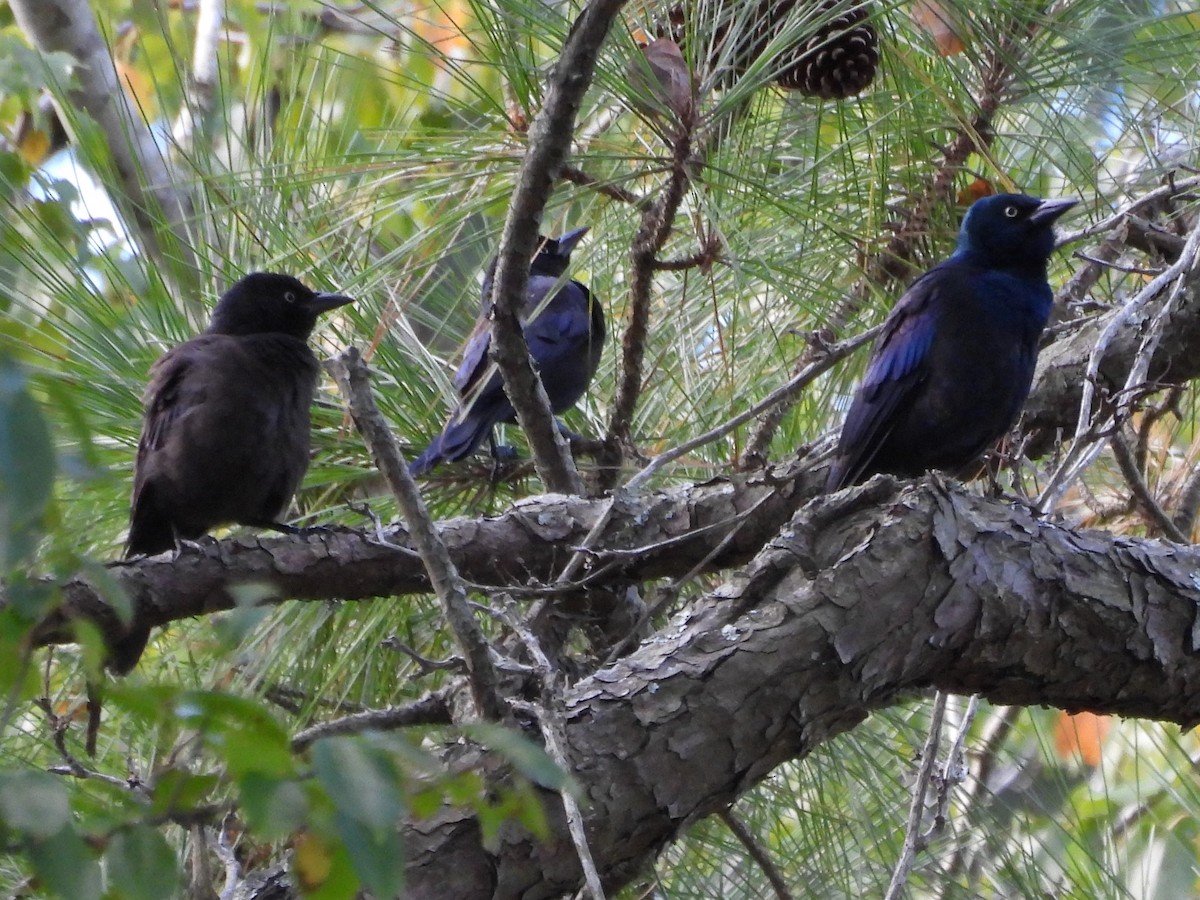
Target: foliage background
{"points": [[376, 156]]}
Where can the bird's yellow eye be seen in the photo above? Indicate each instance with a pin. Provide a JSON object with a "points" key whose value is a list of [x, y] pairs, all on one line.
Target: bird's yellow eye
{"points": [[1011, 211], [290, 296]]}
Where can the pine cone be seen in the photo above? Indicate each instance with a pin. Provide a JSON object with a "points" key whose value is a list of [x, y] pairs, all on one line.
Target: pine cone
{"points": [[837, 60]]}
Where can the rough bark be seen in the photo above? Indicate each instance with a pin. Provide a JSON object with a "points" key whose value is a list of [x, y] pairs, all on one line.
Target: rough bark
{"points": [[852, 607], [862, 599]]}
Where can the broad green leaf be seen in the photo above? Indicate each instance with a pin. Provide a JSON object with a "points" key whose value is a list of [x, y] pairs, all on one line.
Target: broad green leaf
{"points": [[66, 866], [273, 807], [33, 803], [140, 865], [362, 781]]}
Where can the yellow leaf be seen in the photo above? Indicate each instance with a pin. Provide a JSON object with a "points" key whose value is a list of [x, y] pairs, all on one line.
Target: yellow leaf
{"points": [[34, 146], [312, 860]]}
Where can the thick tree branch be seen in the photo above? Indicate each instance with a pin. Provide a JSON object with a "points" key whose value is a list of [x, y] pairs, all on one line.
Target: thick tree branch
{"points": [[849, 610]]}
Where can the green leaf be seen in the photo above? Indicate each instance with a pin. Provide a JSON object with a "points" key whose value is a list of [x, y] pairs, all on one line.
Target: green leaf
{"points": [[66, 866], [376, 854], [26, 466], [240, 731], [34, 803], [361, 780], [526, 757], [141, 865], [322, 869], [179, 791], [273, 807]]}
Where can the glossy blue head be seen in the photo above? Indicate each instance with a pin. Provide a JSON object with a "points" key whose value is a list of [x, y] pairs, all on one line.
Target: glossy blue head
{"points": [[1010, 231]]}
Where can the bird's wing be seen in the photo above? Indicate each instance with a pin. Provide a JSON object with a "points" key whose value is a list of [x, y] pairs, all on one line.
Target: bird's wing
{"points": [[896, 368], [475, 357], [563, 327], [557, 331], [168, 395]]}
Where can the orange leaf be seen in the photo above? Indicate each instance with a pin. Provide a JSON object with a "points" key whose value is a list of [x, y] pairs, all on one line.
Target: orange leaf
{"points": [[931, 16], [976, 190], [1081, 735]]}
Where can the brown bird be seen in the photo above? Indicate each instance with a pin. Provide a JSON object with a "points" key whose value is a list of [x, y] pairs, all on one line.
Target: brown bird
{"points": [[225, 437]]}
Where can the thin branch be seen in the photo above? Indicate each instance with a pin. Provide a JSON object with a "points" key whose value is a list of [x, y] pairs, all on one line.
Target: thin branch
{"points": [[914, 841], [549, 714], [431, 709], [1171, 189], [1141, 491], [73, 767], [1091, 423], [995, 733], [607, 188], [226, 852], [821, 361], [757, 852], [353, 379], [954, 769], [200, 95], [652, 233], [549, 142]]}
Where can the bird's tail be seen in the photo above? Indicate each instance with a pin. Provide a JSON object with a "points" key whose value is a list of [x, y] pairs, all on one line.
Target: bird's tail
{"points": [[458, 440]]}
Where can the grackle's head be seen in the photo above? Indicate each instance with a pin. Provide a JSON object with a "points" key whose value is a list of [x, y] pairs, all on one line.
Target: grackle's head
{"points": [[554, 254], [268, 303], [1011, 230], [551, 258]]}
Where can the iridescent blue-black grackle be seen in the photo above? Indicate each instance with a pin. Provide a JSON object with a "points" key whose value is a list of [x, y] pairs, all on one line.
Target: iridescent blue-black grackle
{"points": [[949, 374], [565, 340]]}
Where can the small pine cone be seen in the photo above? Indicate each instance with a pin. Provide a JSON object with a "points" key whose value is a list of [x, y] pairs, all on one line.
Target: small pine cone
{"points": [[838, 61]]}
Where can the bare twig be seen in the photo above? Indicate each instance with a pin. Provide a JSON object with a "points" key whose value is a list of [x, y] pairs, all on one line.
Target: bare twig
{"points": [[954, 770], [757, 852], [431, 709], [1171, 189], [607, 188], [914, 841], [73, 767], [549, 714], [1141, 491], [352, 377], [821, 361], [1090, 422], [549, 142], [651, 235], [995, 732], [201, 88], [226, 852]]}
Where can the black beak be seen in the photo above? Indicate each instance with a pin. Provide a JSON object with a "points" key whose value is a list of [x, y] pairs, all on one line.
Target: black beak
{"points": [[566, 242], [322, 302], [1048, 211]]}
